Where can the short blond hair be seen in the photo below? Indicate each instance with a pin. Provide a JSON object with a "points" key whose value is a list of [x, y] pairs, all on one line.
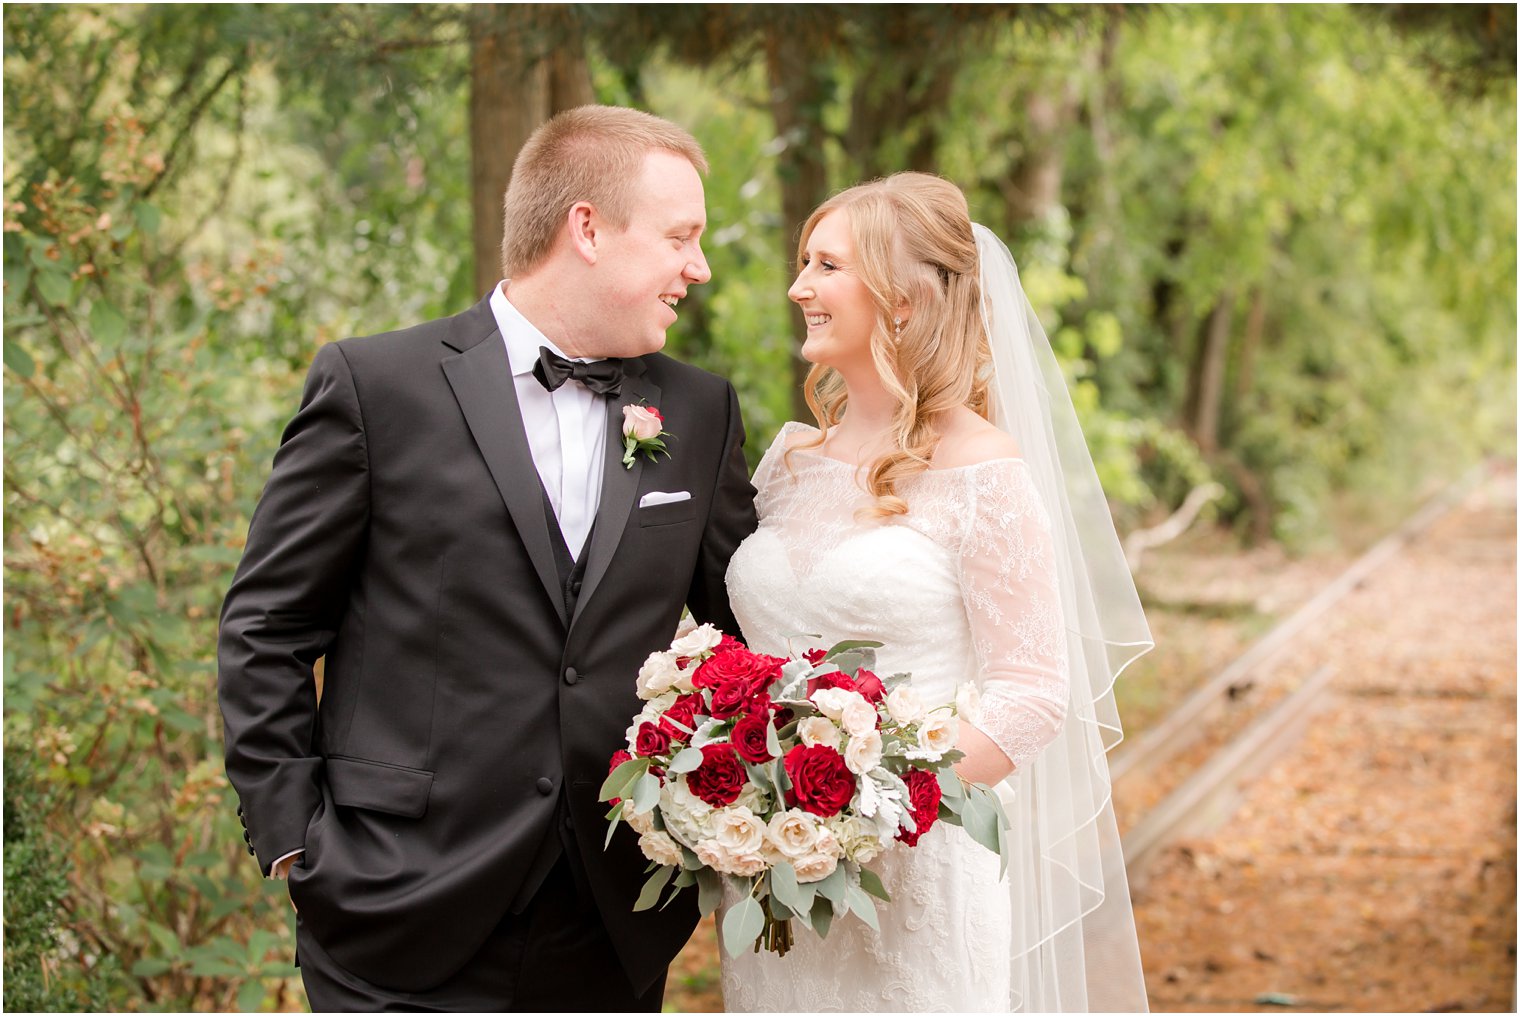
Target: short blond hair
{"points": [[590, 153], [913, 245]]}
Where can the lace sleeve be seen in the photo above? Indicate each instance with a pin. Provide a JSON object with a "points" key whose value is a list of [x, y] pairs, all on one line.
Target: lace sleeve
{"points": [[771, 470], [1012, 599]]}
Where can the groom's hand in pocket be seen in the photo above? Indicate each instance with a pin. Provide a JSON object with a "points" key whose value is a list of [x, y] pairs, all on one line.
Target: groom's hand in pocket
{"points": [[281, 871]]}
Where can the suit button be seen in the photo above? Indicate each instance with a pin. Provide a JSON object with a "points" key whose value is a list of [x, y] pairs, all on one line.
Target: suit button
{"points": [[545, 786], [575, 588], [571, 675]]}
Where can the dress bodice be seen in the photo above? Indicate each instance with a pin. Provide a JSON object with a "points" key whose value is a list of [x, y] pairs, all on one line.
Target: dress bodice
{"points": [[960, 590]]}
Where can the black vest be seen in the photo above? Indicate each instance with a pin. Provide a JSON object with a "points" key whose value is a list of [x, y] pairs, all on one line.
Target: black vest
{"points": [[560, 838]]}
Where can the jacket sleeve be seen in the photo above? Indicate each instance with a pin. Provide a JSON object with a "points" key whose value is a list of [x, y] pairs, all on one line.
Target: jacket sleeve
{"points": [[284, 607], [730, 519]]}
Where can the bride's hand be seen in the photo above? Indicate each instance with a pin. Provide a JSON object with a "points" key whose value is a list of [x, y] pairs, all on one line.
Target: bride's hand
{"points": [[984, 761]]}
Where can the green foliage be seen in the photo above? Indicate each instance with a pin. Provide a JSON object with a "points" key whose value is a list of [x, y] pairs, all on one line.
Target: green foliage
{"points": [[36, 978], [198, 197]]}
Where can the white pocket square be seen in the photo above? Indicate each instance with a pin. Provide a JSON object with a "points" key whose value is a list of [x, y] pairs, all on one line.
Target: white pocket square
{"points": [[655, 497]]}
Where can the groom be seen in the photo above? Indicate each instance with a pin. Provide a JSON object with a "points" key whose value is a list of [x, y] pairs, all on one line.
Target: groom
{"points": [[451, 524]]}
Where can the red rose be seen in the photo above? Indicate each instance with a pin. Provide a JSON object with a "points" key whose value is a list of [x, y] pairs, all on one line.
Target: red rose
{"points": [[651, 740], [734, 697], [749, 737], [618, 758], [821, 782], [869, 685], [815, 656], [833, 679], [728, 644], [755, 670], [683, 711], [783, 716], [923, 799], [719, 778]]}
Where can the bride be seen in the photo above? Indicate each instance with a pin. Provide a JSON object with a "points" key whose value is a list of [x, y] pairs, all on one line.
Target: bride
{"points": [[946, 506]]}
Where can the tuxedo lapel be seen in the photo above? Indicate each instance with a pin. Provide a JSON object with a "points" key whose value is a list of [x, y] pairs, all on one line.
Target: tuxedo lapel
{"points": [[481, 377], [620, 484]]}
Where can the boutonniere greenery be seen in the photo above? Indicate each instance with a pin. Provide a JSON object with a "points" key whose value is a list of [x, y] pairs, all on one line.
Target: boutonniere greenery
{"points": [[643, 427]]}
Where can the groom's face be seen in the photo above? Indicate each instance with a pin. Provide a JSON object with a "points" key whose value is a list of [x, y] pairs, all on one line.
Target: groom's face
{"points": [[643, 271]]}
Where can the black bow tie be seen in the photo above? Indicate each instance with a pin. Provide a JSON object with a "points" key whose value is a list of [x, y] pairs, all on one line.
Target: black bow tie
{"points": [[605, 377]]}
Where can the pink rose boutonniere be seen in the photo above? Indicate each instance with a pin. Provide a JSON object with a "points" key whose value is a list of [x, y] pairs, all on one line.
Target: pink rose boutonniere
{"points": [[642, 430]]}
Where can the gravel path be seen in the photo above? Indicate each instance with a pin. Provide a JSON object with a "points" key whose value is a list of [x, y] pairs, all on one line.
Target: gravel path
{"points": [[1372, 868]]}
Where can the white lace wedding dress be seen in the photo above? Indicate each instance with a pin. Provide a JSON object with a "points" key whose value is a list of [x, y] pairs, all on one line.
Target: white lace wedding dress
{"points": [[960, 590]]}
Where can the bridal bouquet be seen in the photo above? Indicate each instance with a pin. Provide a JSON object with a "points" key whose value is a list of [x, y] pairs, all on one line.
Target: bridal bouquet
{"points": [[784, 778]]}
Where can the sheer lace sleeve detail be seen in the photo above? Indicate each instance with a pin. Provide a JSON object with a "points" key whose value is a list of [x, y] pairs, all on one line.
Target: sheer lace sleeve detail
{"points": [[771, 470], [1013, 605]]}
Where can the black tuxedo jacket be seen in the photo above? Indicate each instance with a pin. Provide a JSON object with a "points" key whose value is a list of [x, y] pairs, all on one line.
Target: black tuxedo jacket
{"points": [[403, 536]]}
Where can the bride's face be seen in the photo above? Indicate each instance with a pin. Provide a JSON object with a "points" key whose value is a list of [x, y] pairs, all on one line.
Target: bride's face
{"points": [[838, 306]]}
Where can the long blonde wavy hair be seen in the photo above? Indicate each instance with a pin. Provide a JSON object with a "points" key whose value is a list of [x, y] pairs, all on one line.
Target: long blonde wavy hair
{"points": [[913, 245]]}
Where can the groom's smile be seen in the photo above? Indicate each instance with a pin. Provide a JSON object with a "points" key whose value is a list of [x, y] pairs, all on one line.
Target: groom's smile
{"points": [[647, 269]]}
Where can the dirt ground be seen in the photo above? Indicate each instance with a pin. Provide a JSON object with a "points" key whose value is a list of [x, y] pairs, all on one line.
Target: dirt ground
{"points": [[1374, 867]]}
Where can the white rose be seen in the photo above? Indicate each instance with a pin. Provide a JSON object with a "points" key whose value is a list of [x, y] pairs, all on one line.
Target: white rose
{"points": [[702, 639], [719, 858], [863, 753], [904, 705], [831, 701], [815, 867], [683, 678], [858, 715], [939, 733], [793, 832], [658, 675], [660, 848], [816, 730], [968, 702], [738, 830], [640, 824], [827, 843]]}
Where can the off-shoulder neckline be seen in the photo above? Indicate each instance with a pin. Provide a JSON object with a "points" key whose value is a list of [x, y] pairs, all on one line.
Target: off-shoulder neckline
{"points": [[793, 426]]}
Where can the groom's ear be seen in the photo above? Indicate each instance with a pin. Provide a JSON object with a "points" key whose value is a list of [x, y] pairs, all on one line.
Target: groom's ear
{"points": [[581, 222]]}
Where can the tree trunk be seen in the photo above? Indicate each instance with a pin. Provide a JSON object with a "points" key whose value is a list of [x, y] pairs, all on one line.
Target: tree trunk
{"points": [[1213, 352], [798, 80], [527, 62], [1033, 189], [1256, 321]]}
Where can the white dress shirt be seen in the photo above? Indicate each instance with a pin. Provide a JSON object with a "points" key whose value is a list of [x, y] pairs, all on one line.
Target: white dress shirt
{"points": [[567, 433], [567, 428]]}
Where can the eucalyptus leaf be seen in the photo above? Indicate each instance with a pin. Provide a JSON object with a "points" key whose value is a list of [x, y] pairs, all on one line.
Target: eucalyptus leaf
{"points": [[832, 887], [823, 916], [871, 883], [686, 760], [851, 644], [646, 794], [860, 902], [709, 890], [742, 925], [650, 894], [785, 889], [620, 779]]}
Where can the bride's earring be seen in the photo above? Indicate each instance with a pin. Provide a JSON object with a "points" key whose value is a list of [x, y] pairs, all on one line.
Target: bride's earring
{"points": [[897, 329]]}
